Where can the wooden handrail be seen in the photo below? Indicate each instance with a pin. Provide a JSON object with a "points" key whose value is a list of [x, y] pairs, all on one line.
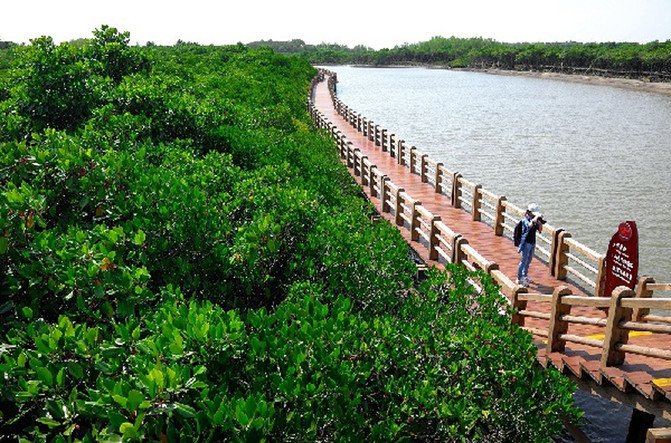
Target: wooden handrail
{"points": [[582, 248], [659, 286], [649, 303], [425, 212], [547, 298]]}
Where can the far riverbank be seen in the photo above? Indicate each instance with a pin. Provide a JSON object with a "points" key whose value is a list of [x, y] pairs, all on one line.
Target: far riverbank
{"points": [[617, 82], [663, 88]]}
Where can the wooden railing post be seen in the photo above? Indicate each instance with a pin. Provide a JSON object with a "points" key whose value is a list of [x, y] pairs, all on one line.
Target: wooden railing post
{"points": [[377, 135], [365, 172], [371, 180], [554, 245], [365, 179], [557, 325], [385, 146], [433, 238], [457, 253], [350, 155], [423, 166], [392, 145], [438, 179], [658, 435], [412, 159], [456, 190], [364, 126], [475, 204], [518, 305], [358, 158], [561, 260], [615, 335], [642, 291], [385, 193], [414, 235], [500, 219], [601, 278], [399, 207], [371, 132], [400, 152]]}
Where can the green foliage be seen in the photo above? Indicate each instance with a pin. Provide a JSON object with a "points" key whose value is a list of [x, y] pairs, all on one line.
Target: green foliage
{"points": [[185, 258], [55, 88], [58, 86], [112, 57], [651, 60]]}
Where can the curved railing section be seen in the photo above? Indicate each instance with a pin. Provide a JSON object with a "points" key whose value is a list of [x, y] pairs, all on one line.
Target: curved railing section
{"points": [[628, 311]]}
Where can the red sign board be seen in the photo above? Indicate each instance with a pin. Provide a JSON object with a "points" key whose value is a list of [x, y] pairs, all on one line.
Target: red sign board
{"points": [[622, 258]]}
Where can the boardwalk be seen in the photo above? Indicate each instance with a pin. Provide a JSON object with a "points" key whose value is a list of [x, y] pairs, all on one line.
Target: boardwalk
{"points": [[648, 378]]}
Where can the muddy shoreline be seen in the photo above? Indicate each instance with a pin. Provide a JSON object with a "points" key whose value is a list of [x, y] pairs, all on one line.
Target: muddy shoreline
{"points": [[663, 88], [617, 82]]}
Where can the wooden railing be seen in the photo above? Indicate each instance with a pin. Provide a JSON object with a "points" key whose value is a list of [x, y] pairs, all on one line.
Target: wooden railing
{"points": [[566, 257], [622, 307]]}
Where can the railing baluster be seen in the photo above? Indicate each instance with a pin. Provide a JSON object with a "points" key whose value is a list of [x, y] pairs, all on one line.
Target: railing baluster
{"points": [[433, 240], [385, 194], [642, 291], [456, 190], [399, 208], [457, 252], [414, 235], [371, 180], [601, 278], [423, 167], [562, 258], [500, 219], [438, 180], [615, 335], [475, 204], [557, 325]]}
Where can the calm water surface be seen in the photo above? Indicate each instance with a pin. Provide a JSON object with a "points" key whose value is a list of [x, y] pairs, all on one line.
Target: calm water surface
{"points": [[591, 156]]}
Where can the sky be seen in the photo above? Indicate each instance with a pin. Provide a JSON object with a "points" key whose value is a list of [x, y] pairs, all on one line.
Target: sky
{"points": [[374, 23]]}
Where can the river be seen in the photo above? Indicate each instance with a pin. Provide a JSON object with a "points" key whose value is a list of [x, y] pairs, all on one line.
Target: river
{"points": [[591, 156]]}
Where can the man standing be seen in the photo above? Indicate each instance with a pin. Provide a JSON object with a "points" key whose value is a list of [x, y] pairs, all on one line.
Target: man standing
{"points": [[531, 223]]}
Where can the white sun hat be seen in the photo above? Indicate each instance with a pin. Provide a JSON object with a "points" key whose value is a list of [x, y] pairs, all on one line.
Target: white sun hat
{"points": [[534, 208]]}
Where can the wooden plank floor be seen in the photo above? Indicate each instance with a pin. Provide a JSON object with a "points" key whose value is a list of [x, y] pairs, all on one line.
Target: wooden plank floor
{"points": [[637, 372]]}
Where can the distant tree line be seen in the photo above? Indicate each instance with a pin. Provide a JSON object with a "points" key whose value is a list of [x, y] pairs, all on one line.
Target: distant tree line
{"points": [[650, 61]]}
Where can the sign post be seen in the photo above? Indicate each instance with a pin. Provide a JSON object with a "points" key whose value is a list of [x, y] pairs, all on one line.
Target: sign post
{"points": [[622, 258]]}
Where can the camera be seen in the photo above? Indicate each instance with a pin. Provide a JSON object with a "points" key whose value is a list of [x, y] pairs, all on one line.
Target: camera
{"points": [[542, 220]]}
